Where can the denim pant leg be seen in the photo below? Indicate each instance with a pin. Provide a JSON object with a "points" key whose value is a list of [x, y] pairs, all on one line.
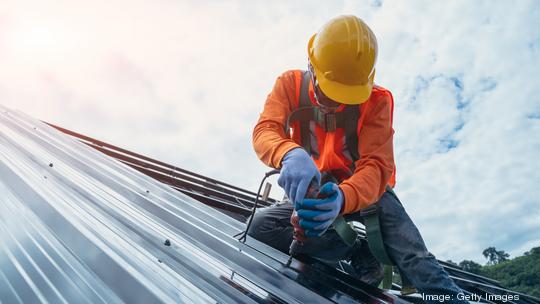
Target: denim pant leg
{"points": [[272, 226], [406, 248]]}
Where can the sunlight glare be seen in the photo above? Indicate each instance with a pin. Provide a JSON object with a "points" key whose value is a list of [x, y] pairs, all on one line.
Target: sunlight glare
{"points": [[42, 42]]}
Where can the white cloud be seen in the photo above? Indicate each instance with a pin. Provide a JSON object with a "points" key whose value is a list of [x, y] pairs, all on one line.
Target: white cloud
{"points": [[465, 82], [184, 82]]}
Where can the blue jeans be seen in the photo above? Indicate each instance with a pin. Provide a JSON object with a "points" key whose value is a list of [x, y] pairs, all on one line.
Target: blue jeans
{"points": [[402, 240]]}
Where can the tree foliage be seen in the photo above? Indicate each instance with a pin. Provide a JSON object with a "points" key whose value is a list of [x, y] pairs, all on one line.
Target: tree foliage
{"points": [[452, 262], [521, 274], [495, 256], [470, 266]]}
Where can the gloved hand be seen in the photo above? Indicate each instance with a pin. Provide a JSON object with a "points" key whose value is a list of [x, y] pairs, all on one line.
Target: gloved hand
{"points": [[297, 171], [316, 215]]}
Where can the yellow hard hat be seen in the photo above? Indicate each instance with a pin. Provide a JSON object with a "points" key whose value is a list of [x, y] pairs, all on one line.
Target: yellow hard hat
{"points": [[343, 55]]}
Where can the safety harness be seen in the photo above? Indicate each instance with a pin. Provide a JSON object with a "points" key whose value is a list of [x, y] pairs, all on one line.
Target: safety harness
{"points": [[306, 112], [348, 120]]}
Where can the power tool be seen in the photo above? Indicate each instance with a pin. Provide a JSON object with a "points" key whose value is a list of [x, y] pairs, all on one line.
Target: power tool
{"points": [[299, 237]]}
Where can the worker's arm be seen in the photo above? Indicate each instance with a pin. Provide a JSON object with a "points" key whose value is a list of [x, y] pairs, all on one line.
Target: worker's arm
{"points": [[376, 163], [269, 139]]}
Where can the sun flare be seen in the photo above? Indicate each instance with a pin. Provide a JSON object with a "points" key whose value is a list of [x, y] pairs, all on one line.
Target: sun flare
{"points": [[35, 41]]}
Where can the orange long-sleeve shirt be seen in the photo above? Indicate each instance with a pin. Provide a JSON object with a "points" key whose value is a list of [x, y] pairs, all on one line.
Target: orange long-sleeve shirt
{"points": [[374, 168]]}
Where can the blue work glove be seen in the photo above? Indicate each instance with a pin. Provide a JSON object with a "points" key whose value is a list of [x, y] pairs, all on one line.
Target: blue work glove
{"points": [[317, 214], [297, 171]]}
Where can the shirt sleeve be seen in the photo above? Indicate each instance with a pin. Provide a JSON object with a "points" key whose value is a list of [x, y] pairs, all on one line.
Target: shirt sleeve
{"points": [[376, 164], [270, 141]]}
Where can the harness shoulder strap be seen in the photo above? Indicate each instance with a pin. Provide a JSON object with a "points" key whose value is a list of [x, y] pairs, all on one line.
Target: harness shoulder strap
{"points": [[305, 113], [305, 105], [304, 91], [351, 115]]}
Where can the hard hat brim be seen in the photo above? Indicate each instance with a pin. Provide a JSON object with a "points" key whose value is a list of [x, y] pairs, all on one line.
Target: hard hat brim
{"points": [[346, 94]]}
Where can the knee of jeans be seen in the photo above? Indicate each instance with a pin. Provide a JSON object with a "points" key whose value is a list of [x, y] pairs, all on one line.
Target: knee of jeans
{"points": [[272, 228], [263, 224], [256, 224], [391, 206], [413, 258]]}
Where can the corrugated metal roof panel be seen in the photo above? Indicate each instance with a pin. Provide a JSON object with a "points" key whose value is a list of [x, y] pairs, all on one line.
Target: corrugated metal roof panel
{"points": [[233, 201], [79, 226]]}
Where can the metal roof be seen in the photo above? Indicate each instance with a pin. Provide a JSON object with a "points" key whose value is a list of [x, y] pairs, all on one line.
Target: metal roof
{"points": [[78, 225]]}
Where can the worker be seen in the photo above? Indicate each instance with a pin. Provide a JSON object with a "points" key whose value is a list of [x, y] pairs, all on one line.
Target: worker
{"points": [[332, 125]]}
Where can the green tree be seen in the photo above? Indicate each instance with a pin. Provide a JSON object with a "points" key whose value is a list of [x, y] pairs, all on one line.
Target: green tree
{"points": [[495, 256], [534, 251], [452, 262], [470, 266], [520, 274]]}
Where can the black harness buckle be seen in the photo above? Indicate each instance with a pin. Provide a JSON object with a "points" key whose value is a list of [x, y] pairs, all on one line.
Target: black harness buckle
{"points": [[330, 122]]}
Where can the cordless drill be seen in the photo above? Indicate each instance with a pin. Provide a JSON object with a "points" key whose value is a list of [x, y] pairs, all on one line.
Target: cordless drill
{"points": [[299, 236]]}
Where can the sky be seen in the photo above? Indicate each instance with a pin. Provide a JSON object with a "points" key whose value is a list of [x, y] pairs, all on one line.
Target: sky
{"points": [[185, 81]]}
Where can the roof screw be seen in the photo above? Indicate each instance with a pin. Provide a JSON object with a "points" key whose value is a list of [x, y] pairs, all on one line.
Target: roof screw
{"points": [[159, 260], [147, 191], [51, 165], [167, 242]]}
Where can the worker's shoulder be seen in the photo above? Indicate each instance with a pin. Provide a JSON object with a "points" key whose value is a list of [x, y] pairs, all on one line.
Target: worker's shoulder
{"points": [[381, 94], [379, 90], [289, 75]]}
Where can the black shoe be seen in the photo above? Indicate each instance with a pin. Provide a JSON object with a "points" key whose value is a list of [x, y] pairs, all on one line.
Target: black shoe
{"points": [[365, 265]]}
